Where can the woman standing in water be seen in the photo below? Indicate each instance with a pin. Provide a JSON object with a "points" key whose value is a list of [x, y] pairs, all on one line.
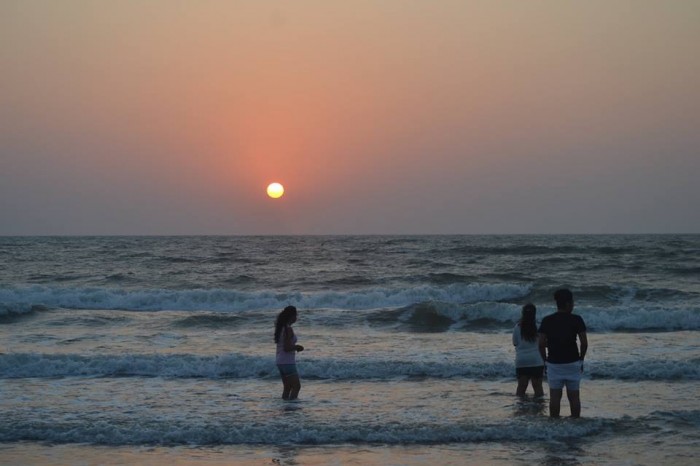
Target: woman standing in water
{"points": [[529, 366], [286, 352]]}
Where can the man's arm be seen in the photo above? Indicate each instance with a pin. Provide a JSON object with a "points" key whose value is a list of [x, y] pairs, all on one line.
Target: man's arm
{"points": [[583, 339], [543, 345]]}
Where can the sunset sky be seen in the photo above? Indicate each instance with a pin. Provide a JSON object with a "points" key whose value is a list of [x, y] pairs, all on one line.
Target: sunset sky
{"points": [[386, 117]]}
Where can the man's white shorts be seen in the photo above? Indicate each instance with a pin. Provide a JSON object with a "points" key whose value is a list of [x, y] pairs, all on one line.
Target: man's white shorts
{"points": [[568, 374]]}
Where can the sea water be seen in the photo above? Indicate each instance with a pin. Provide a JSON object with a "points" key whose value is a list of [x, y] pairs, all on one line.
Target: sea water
{"points": [[160, 349]]}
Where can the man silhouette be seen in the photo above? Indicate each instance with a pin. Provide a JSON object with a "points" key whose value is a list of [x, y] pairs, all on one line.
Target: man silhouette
{"points": [[563, 361]]}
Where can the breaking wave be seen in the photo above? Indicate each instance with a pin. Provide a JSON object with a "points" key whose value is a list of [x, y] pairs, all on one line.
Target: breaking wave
{"points": [[21, 299], [198, 430], [25, 365]]}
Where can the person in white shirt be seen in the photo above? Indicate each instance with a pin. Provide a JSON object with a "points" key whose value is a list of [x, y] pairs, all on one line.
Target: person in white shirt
{"points": [[286, 342], [529, 365]]}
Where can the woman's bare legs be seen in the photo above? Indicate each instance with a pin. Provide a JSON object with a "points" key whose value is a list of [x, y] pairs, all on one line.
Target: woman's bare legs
{"points": [[287, 387], [294, 386], [523, 380], [537, 386]]}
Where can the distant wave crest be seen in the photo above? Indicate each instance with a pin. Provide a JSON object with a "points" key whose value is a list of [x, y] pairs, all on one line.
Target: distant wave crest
{"points": [[21, 299]]}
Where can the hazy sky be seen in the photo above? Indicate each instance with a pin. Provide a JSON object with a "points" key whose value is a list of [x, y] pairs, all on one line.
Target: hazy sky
{"points": [[171, 117]]}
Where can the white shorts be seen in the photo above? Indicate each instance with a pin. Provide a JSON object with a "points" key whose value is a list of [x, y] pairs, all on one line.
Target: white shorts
{"points": [[568, 374]]}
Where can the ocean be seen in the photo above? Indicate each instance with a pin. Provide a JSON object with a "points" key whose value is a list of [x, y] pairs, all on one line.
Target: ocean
{"points": [[159, 350]]}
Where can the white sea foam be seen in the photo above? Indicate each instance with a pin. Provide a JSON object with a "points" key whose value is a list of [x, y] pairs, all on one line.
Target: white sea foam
{"points": [[485, 310], [622, 317], [21, 299], [177, 431], [465, 306], [199, 431], [640, 317], [25, 365]]}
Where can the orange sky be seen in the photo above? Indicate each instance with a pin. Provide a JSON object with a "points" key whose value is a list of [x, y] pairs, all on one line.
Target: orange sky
{"points": [[167, 117]]}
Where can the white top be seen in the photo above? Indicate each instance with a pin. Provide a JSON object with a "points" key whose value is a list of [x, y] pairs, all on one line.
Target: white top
{"points": [[527, 353], [285, 357]]}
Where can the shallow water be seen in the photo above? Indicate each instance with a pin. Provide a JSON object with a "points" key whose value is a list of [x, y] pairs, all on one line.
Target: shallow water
{"points": [[158, 350]]}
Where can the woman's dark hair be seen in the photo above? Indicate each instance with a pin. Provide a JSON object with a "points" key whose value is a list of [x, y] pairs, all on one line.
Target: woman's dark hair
{"points": [[528, 324], [283, 319]]}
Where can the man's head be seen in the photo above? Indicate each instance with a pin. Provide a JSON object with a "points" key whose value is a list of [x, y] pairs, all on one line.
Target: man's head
{"points": [[564, 299]]}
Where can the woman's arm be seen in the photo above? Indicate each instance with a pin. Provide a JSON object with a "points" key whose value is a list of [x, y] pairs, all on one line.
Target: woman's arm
{"points": [[288, 339]]}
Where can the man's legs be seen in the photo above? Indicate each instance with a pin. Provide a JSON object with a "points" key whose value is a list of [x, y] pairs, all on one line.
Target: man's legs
{"points": [[561, 375], [555, 401], [574, 402]]}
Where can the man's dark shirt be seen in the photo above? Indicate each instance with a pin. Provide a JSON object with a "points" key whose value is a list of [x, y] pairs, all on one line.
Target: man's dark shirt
{"points": [[561, 329]]}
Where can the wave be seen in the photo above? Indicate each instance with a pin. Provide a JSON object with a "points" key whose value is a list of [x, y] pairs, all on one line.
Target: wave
{"points": [[648, 370], [417, 317], [352, 280], [446, 278], [209, 320], [543, 250], [634, 319], [480, 316], [10, 315], [21, 299], [240, 280], [238, 366], [440, 316], [628, 294], [685, 271], [196, 430], [420, 317]]}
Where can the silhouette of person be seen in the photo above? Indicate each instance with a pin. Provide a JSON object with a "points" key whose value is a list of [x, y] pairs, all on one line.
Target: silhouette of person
{"points": [[564, 362], [529, 365], [286, 352]]}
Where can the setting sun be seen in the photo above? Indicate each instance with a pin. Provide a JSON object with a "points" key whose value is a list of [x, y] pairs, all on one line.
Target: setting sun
{"points": [[275, 190]]}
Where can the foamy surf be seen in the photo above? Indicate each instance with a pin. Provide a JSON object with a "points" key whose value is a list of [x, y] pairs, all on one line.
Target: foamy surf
{"points": [[240, 366]]}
